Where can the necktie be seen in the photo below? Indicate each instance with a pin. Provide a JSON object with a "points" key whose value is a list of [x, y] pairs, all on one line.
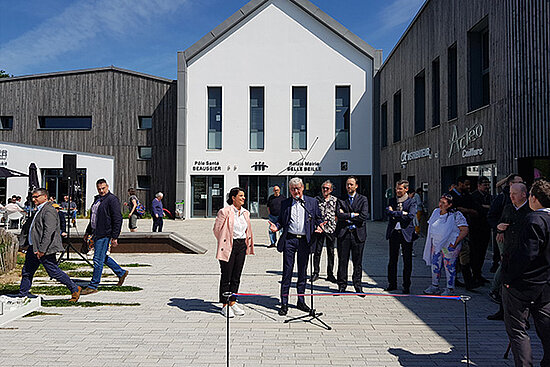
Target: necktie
{"points": [[351, 200]]}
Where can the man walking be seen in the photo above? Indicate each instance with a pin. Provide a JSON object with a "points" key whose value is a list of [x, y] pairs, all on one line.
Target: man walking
{"points": [[43, 237], [104, 227], [327, 206], [401, 213], [274, 210], [526, 280], [351, 230], [158, 212], [480, 232], [299, 219]]}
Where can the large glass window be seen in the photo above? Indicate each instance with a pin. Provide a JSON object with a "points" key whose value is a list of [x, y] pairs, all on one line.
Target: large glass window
{"points": [[299, 117], [478, 44], [6, 122], [257, 118], [65, 123], [214, 117], [397, 117], [342, 117], [452, 75], [145, 122], [436, 102], [384, 125], [420, 102]]}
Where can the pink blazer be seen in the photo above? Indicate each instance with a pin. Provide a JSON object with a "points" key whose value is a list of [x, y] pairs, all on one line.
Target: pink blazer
{"points": [[223, 230]]}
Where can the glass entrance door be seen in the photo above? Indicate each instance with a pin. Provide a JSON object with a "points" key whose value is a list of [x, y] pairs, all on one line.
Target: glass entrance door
{"points": [[207, 195]]}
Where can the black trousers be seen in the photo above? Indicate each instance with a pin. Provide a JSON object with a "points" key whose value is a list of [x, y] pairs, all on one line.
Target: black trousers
{"points": [[293, 247], [397, 241], [157, 224], [516, 313], [320, 238], [479, 242], [349, 244], [232, 270]]}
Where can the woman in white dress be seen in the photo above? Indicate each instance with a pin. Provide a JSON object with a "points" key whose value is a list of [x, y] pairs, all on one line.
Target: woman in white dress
{"points": [[446, 230]]}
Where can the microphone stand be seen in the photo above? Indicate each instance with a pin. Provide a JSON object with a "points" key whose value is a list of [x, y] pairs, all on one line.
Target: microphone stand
{"points": [[312, 314]]}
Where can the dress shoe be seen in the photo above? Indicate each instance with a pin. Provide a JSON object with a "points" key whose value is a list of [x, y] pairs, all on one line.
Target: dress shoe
{"points": [[283, 310], [315, 277], [497, 316], [331, 279], [272, 246], [406, 291], [359, 290], [458, 283], [88, 290], [390, 288], [495, 297], [303, 307], [483, 280], [341, 290], [76, 295], [494, 268], [122, 278]]}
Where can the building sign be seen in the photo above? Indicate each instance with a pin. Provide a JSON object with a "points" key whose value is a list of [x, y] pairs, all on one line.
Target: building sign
{"points": [[3, 157], [206, 166], [259, 166], [407, 156], [343, 166], [461, 142], [304, 166]]}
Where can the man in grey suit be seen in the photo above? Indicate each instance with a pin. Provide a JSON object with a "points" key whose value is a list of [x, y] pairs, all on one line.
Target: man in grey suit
{"points": [[43, 237]]}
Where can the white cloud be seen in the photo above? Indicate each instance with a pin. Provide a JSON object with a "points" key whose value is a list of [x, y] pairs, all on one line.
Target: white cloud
{"points": [[78, 24], [399, 12]]}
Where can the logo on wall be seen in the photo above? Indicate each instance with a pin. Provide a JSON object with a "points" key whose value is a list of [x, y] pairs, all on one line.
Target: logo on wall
{"points": [[3, 157], [343, 166], [304, 166], [461, 142], [259, 166], [407, 156]]}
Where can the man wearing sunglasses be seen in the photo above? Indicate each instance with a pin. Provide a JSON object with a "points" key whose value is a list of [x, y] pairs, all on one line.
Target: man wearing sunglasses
{"points": [[43, 238]]}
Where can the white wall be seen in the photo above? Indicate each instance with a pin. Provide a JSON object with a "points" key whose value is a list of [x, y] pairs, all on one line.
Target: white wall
{"points": [[19, 157], [279, 47]]}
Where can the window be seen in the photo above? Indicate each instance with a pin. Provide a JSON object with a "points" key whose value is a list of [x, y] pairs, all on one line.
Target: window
{"points": [[384, 125], [478, 65], [452, 75], [214, 117], [397, 117], [299, 117], [6, 122], [257, 118], [144, 182], [436, 102], [145, 152], [145, 122], [420, 102], [342, 117], [65, 123]]}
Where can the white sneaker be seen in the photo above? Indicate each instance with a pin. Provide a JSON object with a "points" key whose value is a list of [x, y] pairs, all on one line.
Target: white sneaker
{"points": [[432, 289], [448, 292], [237, 310], [224, 311]]}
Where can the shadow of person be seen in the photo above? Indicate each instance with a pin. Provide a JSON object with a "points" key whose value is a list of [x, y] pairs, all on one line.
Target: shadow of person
{"points": [[452, 358], [194, 305]]}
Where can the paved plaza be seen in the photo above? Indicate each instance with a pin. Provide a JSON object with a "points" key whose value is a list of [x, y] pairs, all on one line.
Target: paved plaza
{"points": [[178, 321]]}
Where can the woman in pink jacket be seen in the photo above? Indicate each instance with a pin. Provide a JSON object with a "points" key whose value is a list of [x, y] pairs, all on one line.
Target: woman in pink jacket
{"points": [[234, 234]]}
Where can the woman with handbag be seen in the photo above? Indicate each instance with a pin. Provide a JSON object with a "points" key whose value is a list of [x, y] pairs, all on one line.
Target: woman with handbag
{"points": [[234, 235], [447, 228]]}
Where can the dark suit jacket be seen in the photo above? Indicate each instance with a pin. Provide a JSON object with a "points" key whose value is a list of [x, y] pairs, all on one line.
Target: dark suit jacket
{"points": [[109, 217], [405, 220], [311, 221], [45, 234], [343, 213], [526, 271]]}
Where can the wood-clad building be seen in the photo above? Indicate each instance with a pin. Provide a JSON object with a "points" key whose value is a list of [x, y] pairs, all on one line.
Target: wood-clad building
{"points": [[108, 112], [465, 92]]}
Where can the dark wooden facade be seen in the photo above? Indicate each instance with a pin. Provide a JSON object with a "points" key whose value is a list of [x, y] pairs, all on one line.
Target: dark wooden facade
{"points": [[115, 98], [515, 122]]}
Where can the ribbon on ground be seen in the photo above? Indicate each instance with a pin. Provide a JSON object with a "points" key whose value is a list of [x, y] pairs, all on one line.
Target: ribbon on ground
{"points": [[456, 298]]}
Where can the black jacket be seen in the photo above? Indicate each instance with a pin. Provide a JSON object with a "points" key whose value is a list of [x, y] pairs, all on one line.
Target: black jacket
{"points": [[497, 206], [526, 271], [515, 219], [406, 221], [109, 217], [343, 213]]}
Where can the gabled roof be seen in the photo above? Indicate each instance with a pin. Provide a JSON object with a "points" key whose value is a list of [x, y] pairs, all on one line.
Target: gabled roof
{"points": [[308, 7], [83, 71]]}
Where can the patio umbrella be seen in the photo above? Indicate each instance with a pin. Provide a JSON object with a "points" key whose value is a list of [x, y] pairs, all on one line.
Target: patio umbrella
{"points": [[6, 172], [33, 183]]}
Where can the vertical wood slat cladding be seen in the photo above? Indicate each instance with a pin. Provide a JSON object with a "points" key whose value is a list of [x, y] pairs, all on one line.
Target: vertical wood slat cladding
{"points": [[517, 120], [114, 99]]}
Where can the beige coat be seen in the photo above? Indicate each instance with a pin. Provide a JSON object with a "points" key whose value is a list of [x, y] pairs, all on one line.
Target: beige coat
{"points": [[223, 230]]}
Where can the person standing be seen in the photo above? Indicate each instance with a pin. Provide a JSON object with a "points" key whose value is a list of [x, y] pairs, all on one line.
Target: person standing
{"points": [[233, 232], [480, 232], [299, 219], [401, 213], [43, 237], [327, 206], [158, 212], [351, 229], [132, 205], [526, 280], [104, 227], [274, 210]]}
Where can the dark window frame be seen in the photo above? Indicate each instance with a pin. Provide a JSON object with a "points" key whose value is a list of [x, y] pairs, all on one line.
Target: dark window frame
{"points": [[211, 124], [384, 124], [420, 102], [452, 82], [42, 120], [295, 116], [397, 112], [140, 122], [436, 92], [479, 94], [140, 157], [6, 120], [140, 178], [252, 113], [346, 118]]}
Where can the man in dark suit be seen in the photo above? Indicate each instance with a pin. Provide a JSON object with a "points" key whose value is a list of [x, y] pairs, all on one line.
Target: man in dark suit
{"points": [[43, 237], [299, 219], [351, 231], [526, 280], [401, 213]]}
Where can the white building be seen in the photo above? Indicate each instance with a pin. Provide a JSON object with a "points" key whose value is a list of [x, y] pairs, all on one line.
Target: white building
{"points": [[280, 89]]}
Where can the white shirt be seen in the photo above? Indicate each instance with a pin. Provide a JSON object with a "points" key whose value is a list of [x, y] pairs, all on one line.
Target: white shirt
{"points": [[443, 229], [297, 218], [239, 225]]}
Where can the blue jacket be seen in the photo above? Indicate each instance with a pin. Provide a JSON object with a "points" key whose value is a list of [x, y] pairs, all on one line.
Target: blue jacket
{"points": [[157, 208], [404, 220], [312, 219], [109, 217]]}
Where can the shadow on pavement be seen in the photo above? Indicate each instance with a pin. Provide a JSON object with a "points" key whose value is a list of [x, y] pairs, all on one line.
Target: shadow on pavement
{"points": [[194, 304], [407, 358]]}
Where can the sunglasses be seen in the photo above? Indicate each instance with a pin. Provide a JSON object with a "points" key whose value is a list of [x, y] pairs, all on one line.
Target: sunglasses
{"points": [[448, 197], [36, 196]]}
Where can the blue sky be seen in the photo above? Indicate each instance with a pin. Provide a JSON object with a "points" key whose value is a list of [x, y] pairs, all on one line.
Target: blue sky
{"points": [[39, 36]]}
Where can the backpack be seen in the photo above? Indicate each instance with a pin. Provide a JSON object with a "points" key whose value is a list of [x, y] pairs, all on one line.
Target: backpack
{"points": [[140, 209]]}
